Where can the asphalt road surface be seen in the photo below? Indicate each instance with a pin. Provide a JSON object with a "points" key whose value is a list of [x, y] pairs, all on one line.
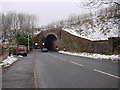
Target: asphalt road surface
{"points": [[20, 74], [54, 70]]}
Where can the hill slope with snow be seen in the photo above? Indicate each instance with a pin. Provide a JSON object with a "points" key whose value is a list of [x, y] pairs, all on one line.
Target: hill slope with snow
{"points": [[100, 30], [99, 25]]}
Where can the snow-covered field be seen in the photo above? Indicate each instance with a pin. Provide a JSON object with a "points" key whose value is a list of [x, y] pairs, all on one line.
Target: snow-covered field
{"points": [[93, 55], [7, 62]]}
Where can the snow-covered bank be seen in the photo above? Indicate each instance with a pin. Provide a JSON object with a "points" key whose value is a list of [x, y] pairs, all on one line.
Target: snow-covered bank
{"points": [[7, 62], [37, 32], [93, 36], [91, 55]]}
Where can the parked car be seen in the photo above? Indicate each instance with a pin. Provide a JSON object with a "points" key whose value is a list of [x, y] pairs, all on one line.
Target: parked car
{"points": [[21, 50], [44, 50]]}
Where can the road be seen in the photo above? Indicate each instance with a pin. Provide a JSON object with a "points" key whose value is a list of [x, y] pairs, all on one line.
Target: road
{"points": [[20, 74], [54, 70]]}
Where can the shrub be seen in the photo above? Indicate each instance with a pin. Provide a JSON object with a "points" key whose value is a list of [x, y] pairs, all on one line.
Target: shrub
{"points": [[12, 51]]}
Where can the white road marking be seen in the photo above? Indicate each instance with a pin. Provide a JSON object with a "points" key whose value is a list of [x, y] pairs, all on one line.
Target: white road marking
{"points": [[93, 69], [76, 63], [62, 58], [51, 54], [106, 73], [54, 56], [58, 57]]}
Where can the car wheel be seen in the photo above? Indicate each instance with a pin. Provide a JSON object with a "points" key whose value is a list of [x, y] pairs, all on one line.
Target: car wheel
{"points": [[25, 54]]}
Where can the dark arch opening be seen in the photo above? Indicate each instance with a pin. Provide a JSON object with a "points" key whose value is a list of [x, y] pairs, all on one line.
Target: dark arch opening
{"points": [[50, 42]]}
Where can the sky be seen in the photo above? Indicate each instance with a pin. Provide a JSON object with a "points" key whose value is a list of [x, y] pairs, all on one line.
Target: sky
{"points": [[47, 11]]}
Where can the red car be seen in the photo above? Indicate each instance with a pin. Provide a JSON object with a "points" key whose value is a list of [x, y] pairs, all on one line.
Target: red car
{"points": [[21, 50]]}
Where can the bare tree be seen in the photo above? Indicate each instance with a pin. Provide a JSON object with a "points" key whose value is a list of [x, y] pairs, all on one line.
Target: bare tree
{"points": [[1, 32], [13, 23], [33, 20], [98, 3]]}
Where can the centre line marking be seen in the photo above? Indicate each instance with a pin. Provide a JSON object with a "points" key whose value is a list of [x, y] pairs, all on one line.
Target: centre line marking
{"points": [[106, 73], [62, 58], [76, 63], [55, 56]]}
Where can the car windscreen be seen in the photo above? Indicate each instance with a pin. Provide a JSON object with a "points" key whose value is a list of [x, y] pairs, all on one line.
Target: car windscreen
{"points": [[44, 48], [22, 47]]}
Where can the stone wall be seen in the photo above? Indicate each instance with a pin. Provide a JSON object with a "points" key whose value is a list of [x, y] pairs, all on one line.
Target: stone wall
{"points": [[38, 39], [101, 46], [70, 42]]}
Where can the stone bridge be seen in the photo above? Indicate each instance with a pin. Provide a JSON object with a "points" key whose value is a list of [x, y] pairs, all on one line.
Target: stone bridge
{"points": [[58, 38], [48, 38]]}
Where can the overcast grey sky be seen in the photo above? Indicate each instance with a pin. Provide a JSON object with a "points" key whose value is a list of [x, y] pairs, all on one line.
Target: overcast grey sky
{"points": [[47, 12]]}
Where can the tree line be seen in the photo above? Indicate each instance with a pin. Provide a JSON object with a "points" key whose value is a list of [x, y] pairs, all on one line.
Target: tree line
{"points": [[13, 23]]}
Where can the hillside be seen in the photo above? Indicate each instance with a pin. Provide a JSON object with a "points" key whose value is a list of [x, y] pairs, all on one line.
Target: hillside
{"points": [[99, 25]]}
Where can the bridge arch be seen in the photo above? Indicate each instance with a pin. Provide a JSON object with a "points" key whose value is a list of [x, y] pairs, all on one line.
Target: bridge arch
{"points": [[51, 41]]}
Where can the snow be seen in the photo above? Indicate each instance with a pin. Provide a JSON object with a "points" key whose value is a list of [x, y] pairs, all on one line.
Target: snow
{"points": [[99, 32], [92, 37], [7, 62], [94, 27], [20, 56], [93, 55], [37, 32]]}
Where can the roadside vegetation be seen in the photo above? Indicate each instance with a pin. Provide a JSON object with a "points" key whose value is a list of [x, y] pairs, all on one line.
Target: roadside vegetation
{"points": [[14, 24], [22, 39]]}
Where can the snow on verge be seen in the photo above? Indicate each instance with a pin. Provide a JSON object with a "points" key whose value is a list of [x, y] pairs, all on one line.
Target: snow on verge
{"points": [[7, 62], [91, 55]]}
